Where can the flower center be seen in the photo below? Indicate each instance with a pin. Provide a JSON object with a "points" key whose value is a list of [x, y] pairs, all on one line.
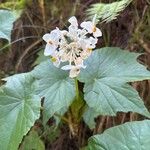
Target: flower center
{"points": [[94, 29], [50, 42], [89, 49], [53, 59]]}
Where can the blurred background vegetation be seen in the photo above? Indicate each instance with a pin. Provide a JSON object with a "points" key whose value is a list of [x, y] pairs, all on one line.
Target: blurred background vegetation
{"points": [[130, 31]]}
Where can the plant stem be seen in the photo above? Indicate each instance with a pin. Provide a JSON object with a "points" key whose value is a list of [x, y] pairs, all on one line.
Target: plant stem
{"points": [[77, 89], [62, 118]]}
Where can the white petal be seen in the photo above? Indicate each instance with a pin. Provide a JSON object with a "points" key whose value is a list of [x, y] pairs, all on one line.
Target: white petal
{"points": [[72, 30], [74, 72], [88, 25], [67, 67], [84, 55], [56, 33], [81, 66], [79, 61], [56, 63], [97, 33], [93, 40], [73, 21], [49, 50], [64, 32], [46, 37]]}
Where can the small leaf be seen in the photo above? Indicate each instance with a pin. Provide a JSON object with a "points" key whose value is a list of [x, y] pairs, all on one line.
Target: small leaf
{"points": [[13, 5], [55, 85], [19, 107], [129, 136], [32, 142], [6, 23], [107, 12], [105, 75]]}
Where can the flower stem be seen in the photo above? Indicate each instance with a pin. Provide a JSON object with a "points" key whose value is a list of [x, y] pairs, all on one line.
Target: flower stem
{"points": [[77, 89]]}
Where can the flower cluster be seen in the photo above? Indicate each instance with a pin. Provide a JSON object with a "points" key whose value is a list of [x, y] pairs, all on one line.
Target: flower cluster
{"points": [[72, 46]]}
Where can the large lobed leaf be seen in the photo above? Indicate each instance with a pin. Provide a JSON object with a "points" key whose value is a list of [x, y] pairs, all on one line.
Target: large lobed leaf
{"points": [[6, 23], [107, 12], [105, 77], [19, 107], [111, 64], [55, 86], [130, 136]]}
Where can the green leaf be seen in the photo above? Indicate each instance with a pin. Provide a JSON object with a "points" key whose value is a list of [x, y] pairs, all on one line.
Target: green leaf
{"points": [[129, 136], [89, 116], [107, 12], [111, 64], [19, 107], [13, 5], [61, 112], [32, 142], [55, 85], [41, 57], [6, 23], [105, 77]]}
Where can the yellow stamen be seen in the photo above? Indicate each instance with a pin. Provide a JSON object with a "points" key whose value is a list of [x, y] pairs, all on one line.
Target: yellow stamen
{"points": [[53, 59], [89, 49], [94, 29]]}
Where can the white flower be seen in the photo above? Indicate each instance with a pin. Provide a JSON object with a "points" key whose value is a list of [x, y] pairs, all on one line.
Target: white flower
{"points": [[87, 45], [91, 27], [55, 59], [73, 45], [73, 21], [73, 28], [52, 40], [74, 70]]}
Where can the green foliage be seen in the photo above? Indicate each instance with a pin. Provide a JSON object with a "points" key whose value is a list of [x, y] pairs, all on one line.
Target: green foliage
{"points": [[130, 136], [32, 141], [107, 12], [13, 5], [40, 58], [89, 116], [6, 23], [105, 84], [55, 86], [51, 133], [19, 107], [105, 77], [77, 108]]}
